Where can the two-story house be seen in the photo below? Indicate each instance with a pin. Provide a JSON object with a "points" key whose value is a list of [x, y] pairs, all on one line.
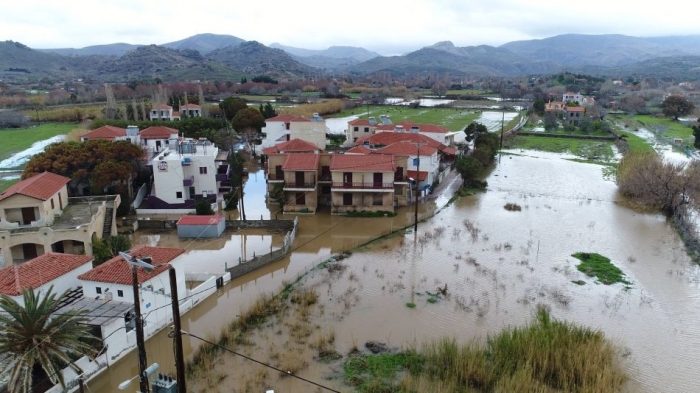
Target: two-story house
{"points": [[423, 161], [36, 217], [284, 128], [574, 114], [571, 97], [300, 186], [163, 112], [438, 133], [362, 183], [184, 172], [358, 128], [190, 110]]}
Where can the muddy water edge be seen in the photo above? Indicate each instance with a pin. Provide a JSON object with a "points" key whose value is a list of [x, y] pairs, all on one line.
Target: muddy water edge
{"points": [[497, 266]]}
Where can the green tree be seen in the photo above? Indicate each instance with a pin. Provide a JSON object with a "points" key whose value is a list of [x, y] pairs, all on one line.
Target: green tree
{"points": [[474, 129], [38, 341], [203, 208], [248, 118], [231, 106], [469, 168], [676, 105], [538, 106], [268, 111], [109, 247], [696, 134], [550, 121]]}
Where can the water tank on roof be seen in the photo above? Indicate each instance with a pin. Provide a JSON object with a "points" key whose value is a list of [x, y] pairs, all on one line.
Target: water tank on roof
{"points": [[132, 131]]}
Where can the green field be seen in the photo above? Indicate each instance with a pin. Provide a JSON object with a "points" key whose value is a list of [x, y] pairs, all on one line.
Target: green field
{"points": [[15, 140], [6, 183], [452, 118], [587, 149], [636, 144], [667, 127]]}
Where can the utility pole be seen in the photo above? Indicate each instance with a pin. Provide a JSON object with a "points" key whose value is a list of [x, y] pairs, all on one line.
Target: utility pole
{"points": [[177, 333], [143, 378], [415, 218], [503, 120], [240, 193]]}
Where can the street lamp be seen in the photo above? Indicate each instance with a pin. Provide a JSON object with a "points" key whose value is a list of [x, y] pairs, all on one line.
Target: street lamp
{"points": [[147, 373]]}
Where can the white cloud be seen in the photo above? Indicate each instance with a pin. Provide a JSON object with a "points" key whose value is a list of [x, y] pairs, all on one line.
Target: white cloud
{"points": [[391, 26]]}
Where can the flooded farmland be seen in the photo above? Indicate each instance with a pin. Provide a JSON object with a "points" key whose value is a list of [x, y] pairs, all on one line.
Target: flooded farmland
{"points": [[496, 265]]}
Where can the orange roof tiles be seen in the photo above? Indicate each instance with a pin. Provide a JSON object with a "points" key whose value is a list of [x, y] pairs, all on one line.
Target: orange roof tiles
{"points": [[387, 138], [42, 186], [105, 132], [362, 163], [359, 122], [157, 132], [408, 149], [575, 109], [449, 151], [286, 119], [38, 271], [358, 150], [421, 175], [295, 145], [161, 106], [199, 220], [118, 271], [301, 162], [430, 128]]}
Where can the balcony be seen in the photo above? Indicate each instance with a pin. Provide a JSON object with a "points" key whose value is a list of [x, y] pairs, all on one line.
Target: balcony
{"points": [[221, 177], [326, 177], [188, 182], [299, 186], [366, 186], [275, 177]]}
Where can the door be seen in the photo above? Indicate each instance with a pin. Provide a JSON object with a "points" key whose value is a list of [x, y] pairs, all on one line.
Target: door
{"points": [[279, 175], [347, 179], [325, 172], [347, 199], [299, 179], [398, 175], [301, 198], [28, 215], [157, 145], [29, 251], [378, 177], [192, 193]]}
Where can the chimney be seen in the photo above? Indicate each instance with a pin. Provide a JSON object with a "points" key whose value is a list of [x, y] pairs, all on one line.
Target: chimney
{"points": [[399, 128], [415, 129]]}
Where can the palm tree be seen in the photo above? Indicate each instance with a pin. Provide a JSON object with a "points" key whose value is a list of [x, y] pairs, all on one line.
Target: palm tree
{"points": [[34, 337]]}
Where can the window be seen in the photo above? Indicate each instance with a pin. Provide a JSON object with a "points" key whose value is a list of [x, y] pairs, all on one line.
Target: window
{"points": [[178, 195], [355, 129], [52, 206], [98, 290], [366, 129], [120, 293], [202, 170]]}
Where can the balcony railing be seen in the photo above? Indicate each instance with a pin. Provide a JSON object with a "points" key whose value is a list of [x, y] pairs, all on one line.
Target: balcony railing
{"points": [[299, 185], [221, 177], [351, 185], [325, 177], [188, 182]]}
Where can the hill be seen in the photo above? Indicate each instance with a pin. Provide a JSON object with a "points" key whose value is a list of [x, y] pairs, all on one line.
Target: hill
{"points": [[205, 43], [18, 62], [254, 58], [117, 49]]}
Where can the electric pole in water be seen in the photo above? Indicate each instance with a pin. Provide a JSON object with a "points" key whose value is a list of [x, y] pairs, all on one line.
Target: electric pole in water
{"points": [[177, 333], [143, 378], [415, 215]]}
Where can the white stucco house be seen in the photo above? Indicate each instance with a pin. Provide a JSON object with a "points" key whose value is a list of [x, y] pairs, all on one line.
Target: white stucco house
{"points": [[41, 273], [155, 139], [429, 160], [185, 171], [572, 97], [163, 112]]}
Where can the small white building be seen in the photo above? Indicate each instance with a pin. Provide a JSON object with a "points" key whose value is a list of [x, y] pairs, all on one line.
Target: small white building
{"points": [[163, 112], [51, 269], [190, 110], [155, 139], [186, 171], [572, 97]]}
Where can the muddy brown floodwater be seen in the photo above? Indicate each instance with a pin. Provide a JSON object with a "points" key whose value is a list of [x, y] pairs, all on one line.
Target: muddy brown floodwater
{"points": [[497, 265]]}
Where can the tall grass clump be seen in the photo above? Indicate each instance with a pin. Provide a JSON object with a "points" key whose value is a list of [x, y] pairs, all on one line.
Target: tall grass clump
{"points": [[544, 356]]}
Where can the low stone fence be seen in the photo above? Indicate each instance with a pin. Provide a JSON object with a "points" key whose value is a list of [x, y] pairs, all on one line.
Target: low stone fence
{"points": [[259, 261]]}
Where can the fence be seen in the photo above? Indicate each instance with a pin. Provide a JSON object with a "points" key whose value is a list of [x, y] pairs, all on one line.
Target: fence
{"points": [[140, 195], [259, 261]]}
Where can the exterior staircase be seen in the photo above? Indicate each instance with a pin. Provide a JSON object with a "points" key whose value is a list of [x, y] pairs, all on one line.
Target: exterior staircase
{"points": [[107, 228]]}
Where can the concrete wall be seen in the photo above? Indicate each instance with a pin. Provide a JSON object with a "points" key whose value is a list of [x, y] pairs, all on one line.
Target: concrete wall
{"points": [[263, 260], [273, 131], [197, 231], [310, 131]]}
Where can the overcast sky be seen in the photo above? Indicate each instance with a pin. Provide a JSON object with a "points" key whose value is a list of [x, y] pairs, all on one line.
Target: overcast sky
{"points": [[385, 26]]}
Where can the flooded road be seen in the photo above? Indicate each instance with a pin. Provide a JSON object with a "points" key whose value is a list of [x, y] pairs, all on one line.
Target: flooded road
{"points": [[497, 265]]}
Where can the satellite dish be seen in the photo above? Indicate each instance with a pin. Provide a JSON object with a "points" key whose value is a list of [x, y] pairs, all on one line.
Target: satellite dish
{"points": [[133, 261]]}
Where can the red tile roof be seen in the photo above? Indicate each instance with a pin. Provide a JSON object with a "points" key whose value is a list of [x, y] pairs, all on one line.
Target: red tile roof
{"points": [[387, 138], [286, 119], [118, 271], [449, 151], [406, 148], [359, 122], [199, 220], [38, 271], [421, 175], [358, 150], [575, 109], [157, 132], [105, 132], [362, 163], [301, 162], [430, 128], [42, 186], [161, 106], [295, 145]]}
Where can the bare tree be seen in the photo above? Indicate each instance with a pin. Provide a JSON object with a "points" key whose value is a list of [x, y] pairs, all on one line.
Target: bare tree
{"points": [[201, 100], [134, 110], [111, 108]]}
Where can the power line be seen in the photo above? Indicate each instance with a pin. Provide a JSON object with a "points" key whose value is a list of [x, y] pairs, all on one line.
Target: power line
{"points": [[261, 363]]}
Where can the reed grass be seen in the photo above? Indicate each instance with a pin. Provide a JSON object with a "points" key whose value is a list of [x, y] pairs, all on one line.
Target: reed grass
{"points": [[543, 356]]}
